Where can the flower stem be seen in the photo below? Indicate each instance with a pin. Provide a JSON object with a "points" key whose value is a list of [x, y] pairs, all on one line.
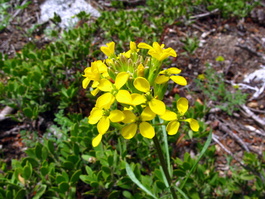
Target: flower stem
{"points": [[163, 164]]}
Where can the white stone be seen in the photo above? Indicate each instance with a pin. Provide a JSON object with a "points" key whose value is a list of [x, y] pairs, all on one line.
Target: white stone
{"points": [[66, 9]]}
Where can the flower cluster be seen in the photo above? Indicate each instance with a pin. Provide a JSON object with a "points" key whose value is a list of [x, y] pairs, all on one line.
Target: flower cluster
{"points": [[131, 89]]}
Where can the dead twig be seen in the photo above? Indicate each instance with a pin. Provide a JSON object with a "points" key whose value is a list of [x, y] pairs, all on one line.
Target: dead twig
{"points": [[215, 138], [199, 16], [14, 131], [256, 118], [251, 50], [223, 127]]}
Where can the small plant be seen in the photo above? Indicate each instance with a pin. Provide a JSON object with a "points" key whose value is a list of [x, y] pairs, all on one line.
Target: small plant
{"points": [[131, 88], [190, 44], [214, 88]]}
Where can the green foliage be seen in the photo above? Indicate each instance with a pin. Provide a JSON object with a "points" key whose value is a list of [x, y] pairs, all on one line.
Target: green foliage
{"points": [[41, 81], [213, 86]]}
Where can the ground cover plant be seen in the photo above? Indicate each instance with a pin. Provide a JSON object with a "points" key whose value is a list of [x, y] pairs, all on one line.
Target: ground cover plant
{"points": [[75, 99]]}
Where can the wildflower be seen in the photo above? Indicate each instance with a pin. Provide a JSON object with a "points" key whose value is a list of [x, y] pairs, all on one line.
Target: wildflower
{"points": [[114, 92], [157, 106], [133, 49], [173, 125], [171, 73], [102, 118], [135, 123], [94, 73], [157, 51], [109, 49]]}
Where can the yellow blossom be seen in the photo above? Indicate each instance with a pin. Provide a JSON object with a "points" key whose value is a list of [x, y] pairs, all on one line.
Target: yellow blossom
{"points": [[102, 118], [173, 125], [157, 51], [134, 123], [157, 106], [171, 73], [94, 73], [109, 49]]}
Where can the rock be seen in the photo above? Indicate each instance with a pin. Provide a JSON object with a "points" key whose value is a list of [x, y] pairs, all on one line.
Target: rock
{"points": [[66, 9]]}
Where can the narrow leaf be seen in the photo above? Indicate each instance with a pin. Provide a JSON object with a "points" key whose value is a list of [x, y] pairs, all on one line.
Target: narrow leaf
{"points": [[136, 181]]}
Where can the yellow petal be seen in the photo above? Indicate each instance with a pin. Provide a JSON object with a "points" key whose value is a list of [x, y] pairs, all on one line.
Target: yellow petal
{"points": [[129, 117], [96, 140], [95, 115], [144, 45], [124, 97], [95, 92], [137, 99], [161, 79], [169, 116], [147, 114], [105, 101], [121, 79], [85, 82], [157, 106], [141, 84], [147, 130], [173, 70], [108, 50], [140, 70], [133, 46], [172, 127], [116, 116], [194, 124], [179, 80], [129, 131], [182, 105], [103, 125], [171, 52], [105, 85]]}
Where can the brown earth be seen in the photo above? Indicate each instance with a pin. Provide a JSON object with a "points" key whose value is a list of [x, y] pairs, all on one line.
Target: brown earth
{"points": [[240, 42]]}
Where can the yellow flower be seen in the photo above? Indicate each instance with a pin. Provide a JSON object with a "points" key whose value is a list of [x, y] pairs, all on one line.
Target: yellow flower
{"points": [[133, 49], [173, 125], [171, 73], [103, 118], [157, 51], [109, 49], [114, 92], [94, 73], [157, 106], [135, 123]]}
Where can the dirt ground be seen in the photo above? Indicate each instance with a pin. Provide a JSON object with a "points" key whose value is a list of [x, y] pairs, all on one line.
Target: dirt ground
{"points": [[240, 42]]}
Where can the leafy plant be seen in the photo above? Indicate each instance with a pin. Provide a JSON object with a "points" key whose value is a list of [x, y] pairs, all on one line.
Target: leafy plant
{"points": [[213, 86]]}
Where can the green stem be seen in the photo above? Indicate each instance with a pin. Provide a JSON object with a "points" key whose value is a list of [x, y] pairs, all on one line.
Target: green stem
{"points": [[164, 166]]}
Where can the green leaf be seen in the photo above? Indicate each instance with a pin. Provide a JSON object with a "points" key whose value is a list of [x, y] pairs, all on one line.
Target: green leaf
{"points": [[136, 181], [33, 162], [44, 171], [127, 194], [64, 187], [179, 173], [247, 177], [205, 147], [44, 153], [28, 112], [114, 194], [21, 194], [60, 179], [50, 145], [75, 177], [40, 190], [38, 151], [68, 165], [27, 171]]}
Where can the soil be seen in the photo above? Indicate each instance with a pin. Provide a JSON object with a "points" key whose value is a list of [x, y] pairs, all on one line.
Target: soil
{"points": [[240, 42]]}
